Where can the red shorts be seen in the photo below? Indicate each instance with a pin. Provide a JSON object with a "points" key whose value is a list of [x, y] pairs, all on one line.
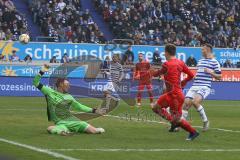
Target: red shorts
{"points": [[141, 86], [172, 100]]}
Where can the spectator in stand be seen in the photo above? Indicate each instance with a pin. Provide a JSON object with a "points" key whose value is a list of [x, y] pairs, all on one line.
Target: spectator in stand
{"points": [[53, 59], [238, 64], [185, 23], [1, 57], [102, 39], [28, 59], [9, 4], [156, 60], [106, 63], [228, 64], [14, 57], [2, 35], [69, 34], [195, 42], [65, 21], [65, 58], [61, 5], [128, 57], [105, 66], [12, 23], [191, 61]]}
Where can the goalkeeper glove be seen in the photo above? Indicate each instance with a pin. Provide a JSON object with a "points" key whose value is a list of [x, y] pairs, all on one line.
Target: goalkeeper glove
{"points": [[100, 111], [45, 68]]}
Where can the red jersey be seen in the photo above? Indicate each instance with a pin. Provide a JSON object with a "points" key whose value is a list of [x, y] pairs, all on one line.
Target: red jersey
{"points": [[172, 70], [143, 69]]}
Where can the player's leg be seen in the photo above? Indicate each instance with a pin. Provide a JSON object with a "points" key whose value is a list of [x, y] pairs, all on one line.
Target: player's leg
{"points": [[175, 103], [59, 129], [188, 102], [187, 127], [159, 107], [197, 101], [82, 127], [186, 106], [176, 110], [176, 113], [109, 102], [108, 91], [195, 97], [150, 93], [92, 130], [139, 93]]}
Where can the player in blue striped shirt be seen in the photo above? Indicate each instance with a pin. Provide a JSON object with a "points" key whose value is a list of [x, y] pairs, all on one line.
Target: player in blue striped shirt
{"points": [[115, 76], [207, 69]]}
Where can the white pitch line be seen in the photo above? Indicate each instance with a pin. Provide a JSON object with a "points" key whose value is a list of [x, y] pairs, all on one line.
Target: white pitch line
{"points": [[148, 150], [41, 150], [221, 129], [166, 123], [135, 119]]}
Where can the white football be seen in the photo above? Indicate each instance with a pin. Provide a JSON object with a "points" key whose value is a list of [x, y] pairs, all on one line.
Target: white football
{"points": [[24, 38]]}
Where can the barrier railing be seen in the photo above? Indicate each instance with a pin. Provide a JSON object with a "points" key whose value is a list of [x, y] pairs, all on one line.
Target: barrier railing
{"points": [[45, 39]]}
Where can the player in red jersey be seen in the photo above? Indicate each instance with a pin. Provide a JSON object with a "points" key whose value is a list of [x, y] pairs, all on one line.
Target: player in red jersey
{"points": [[174, 96], [142, 73]]}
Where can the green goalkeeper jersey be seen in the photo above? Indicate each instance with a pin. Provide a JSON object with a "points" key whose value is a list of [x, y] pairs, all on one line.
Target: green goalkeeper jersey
{"points": [[59, 104]]}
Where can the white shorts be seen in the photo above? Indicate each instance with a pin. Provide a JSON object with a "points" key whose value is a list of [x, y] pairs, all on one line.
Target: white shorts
{"points": [[201, 90], [110, 86]]}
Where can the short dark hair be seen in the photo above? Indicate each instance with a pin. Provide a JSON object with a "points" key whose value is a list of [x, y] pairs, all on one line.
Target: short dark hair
{"points": [[171, 49], [59, 81], [209, 46]]}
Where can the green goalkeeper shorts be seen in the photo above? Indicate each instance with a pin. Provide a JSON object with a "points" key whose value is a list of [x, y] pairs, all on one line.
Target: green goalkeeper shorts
{"points": [[70, 126]]}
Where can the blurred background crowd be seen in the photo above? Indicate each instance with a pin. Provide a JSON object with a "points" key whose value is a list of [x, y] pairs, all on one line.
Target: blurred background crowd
{"points": [[146, 22], [182, 22]]}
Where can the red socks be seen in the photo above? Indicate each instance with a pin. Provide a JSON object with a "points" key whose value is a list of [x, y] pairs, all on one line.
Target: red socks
{"points": [[183, 123], [186, 126], [166, 115], [139, 97]]}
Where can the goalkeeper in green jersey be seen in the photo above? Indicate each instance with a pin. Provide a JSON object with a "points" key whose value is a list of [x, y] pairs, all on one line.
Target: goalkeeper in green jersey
{"points": [[59, 102]]}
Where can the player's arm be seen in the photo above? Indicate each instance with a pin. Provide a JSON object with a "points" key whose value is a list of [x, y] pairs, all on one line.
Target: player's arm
{"points": [[216, 73], [80, 107], [159, 72], [135, 72], [107, 72], [217, 76], [189, 74], [149, 70], [121, 74], [36, 81]]}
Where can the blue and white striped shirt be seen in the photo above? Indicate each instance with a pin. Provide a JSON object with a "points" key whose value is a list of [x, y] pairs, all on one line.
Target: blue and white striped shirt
{"points": [[116, 72], [202, 78]]}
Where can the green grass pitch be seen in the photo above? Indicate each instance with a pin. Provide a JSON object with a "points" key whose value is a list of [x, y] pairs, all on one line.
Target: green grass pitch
{"points": [[24, 120]]}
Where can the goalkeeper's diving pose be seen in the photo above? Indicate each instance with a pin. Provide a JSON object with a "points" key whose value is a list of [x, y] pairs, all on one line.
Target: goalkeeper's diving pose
{"points": [[59, 102]]}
